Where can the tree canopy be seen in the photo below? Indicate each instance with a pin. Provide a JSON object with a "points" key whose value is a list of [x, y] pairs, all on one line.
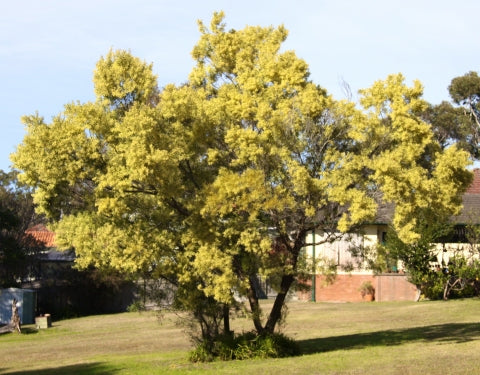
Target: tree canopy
{"points": [[458, 122], [215, 181]]}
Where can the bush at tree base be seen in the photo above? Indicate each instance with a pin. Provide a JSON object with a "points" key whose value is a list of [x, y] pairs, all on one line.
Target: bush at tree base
{"points": [[245, 346]]}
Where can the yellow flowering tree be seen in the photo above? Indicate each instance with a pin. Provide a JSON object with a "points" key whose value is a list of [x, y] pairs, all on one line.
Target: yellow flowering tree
{"points": [[220, 179], [397, 159]]}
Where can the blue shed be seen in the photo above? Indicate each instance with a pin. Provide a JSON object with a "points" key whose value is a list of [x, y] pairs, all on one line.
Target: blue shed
{"points": [[27, 301]]}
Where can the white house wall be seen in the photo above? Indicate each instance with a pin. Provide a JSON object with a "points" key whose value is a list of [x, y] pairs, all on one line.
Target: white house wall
{"points": [[335, 248], [337, 251], [370, 235], [448, 250]]}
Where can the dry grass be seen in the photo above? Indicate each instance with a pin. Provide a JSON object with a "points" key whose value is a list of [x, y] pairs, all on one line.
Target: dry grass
{"points": [[84, 339], [365, 338]]}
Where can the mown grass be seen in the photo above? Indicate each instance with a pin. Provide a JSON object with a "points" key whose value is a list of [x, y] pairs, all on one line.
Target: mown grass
{"points": [[366, 338]]}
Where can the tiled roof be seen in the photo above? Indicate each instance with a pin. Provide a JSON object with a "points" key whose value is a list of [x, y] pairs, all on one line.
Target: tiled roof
{"points": [[471, 209], [384, 213], [42, 234], [474, 187], [470, 213]]}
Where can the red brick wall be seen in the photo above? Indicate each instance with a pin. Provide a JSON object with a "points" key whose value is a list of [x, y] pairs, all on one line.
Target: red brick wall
{"points": [[395, 287], [345, 288]]}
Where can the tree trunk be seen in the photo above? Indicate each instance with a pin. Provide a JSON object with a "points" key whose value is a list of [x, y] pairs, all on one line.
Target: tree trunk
{"points": [[287, 281], [226, 319], [254, 306], [276, 313]]}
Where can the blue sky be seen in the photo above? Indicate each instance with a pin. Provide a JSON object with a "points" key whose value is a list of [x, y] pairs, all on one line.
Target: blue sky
{"points": [[48, 48]]}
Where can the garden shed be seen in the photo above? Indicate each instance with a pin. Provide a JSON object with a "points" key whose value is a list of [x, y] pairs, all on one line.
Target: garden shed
{"points": [[26, 305]]}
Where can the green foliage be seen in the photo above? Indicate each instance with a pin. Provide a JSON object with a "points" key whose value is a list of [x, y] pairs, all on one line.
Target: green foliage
{"points": [[451, 125], [456, 278], [461, 124], [136, 306], [248, 345], [417, 258], [465, 89], [462, 277], [366, 288], [459, 279]]}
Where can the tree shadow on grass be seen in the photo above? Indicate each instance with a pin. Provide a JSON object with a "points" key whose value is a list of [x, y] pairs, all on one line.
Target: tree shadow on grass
{"points": [[25, 331], [80, 369], [29, 330], [447, 333]]}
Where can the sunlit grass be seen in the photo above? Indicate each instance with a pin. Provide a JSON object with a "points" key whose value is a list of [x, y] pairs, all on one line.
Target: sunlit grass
{"points": [[365, 338]]}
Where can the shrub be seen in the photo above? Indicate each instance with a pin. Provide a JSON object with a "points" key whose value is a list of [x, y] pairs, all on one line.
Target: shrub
{"points": [[366, 288], [201, 354], [136, 306], [245, 346]]}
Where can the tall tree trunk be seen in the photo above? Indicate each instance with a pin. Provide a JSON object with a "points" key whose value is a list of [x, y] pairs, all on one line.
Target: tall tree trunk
{"points": [[226, 319], [286, 283], [254, 306], [276, 312]]}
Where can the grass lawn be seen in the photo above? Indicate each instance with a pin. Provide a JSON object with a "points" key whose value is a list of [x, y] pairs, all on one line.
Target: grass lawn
{"points": [[431, 337]]}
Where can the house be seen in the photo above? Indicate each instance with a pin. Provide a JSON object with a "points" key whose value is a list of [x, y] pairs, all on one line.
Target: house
{"points": [[43, 235], [51, 261], [63, 291], [352, 271]]}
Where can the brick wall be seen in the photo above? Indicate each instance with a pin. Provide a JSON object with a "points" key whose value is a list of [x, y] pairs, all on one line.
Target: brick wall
{"points": [[395, 287], [345, 288]]}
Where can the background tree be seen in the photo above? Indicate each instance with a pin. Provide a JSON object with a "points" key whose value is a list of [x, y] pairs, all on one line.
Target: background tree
{"points": [[18, 251], [450, 125], [418, 259], [436, 278], [465, 91], [458, 124], [215, 181]]}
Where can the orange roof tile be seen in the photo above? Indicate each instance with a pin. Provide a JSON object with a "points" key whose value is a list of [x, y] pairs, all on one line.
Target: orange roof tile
{"points": [[42, 234]]}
